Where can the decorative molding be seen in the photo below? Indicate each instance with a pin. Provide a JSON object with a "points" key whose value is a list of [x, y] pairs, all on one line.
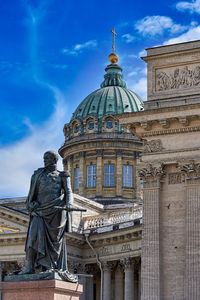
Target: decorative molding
{"points": [[170, 131], [174, 178], [178, 78], [99, 152], [152, 146], [165, 123], [146, 125], [152, 173], [127, 263], [107, 266], [191, 170]]}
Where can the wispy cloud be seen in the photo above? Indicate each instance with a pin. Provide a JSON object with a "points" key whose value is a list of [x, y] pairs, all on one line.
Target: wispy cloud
{"points": [[20, 159], [157, 25], [191, 35], [140, 87], [128, 38], [78, 48], [192, 7], [131, 74]]}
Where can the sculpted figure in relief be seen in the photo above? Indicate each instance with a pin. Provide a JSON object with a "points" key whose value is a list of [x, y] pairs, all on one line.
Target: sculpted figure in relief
{"points": [[180, 78]]}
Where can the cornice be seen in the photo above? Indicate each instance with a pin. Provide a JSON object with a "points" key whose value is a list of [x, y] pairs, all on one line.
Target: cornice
{"points": [[16, 217], [85, 140], [170, 131], [159, 111]]}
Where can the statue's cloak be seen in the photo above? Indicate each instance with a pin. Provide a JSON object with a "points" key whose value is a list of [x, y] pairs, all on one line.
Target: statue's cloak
{"points": [[47, 227]]}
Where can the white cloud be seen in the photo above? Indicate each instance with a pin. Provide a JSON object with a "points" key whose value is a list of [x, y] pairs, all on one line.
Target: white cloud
{"points": [[133, 73], [191, 35], [192, 7], [79, 47], [22, 157], [140, 87], [156, 25], [19, 159], [128, 37], [142, 53]]}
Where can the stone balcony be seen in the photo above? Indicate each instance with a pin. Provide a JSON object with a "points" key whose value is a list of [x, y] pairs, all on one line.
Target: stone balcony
{"points": [[113, 220]]}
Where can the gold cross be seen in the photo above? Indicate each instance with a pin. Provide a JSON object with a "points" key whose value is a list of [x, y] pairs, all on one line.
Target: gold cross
{"points": [[114, 35]]}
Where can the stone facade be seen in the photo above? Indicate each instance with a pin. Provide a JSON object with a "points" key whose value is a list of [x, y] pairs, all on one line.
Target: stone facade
{"points": [[170, 175]]}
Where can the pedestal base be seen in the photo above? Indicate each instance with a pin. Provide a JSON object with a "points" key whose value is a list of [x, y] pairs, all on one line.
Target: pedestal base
{"points": [[41, 290]]}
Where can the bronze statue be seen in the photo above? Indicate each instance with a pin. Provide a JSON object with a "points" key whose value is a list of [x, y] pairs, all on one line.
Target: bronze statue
{"points": [[49, 203]]}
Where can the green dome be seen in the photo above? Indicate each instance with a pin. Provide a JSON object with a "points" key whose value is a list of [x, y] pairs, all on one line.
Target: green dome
{"points": [[112, 98]]}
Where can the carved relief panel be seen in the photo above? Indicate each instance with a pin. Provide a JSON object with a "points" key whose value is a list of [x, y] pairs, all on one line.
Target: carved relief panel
{"points": [[178, 77]]}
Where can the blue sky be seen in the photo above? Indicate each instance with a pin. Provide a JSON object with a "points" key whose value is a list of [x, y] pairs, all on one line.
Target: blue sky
{"points": [[53, 54]]}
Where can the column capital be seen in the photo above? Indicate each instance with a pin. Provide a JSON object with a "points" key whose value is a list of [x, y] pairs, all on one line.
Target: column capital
{"points": [[190, 169], [99, 152], [127, 263], [152, 172], [107, 266], [118, 152]]}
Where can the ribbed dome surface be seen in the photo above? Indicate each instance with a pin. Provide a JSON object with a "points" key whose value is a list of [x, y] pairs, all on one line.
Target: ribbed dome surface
{"points": [[108, 100], [112, 98]]}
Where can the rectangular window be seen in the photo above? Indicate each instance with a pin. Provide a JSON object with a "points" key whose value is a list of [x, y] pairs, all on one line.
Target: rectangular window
{"points": [[109, 175], [128, 176], [91, 176], [76, 178]]}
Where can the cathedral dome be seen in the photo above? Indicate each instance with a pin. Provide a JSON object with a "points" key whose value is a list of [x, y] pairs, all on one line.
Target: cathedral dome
{"points": [[112, 98]]}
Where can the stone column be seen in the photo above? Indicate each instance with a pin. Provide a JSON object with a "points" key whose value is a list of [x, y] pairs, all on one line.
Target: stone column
{"points": [[1, 273], [87, 282], [119, 173], [83, 281], [151, 276], [99, 179], [129, 279], [119, 285], [89, 288], [192, 230], [81, 172], [139, 282], [107, 267]]}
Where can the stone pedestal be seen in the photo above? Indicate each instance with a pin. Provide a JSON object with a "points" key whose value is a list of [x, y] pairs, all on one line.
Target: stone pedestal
{"points": [[41, 290]]}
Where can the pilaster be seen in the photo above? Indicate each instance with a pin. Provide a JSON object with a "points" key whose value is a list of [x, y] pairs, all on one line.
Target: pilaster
{"points": [[99, 179], [151, 275], [119, 177], [81, 172], [192, 231]]}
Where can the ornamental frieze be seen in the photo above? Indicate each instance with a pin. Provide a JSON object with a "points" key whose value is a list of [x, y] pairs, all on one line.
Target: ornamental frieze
{"points": [[152, 146], [175, 178], [178, 78]]}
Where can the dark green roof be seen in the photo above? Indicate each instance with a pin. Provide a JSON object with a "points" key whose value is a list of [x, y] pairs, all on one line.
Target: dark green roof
{"points": [[112, 98]]}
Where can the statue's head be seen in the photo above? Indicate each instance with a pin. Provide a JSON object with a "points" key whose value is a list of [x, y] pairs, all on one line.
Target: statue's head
{"points": [[50, 158]]}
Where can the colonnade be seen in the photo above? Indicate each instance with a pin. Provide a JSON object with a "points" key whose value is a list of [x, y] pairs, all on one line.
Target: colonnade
{"points": [[121, 281]]}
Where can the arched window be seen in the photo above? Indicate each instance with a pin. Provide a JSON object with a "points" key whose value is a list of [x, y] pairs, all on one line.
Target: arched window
{"points": [[91, 176], [128, 176], [109, 175], [76, 178]]}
